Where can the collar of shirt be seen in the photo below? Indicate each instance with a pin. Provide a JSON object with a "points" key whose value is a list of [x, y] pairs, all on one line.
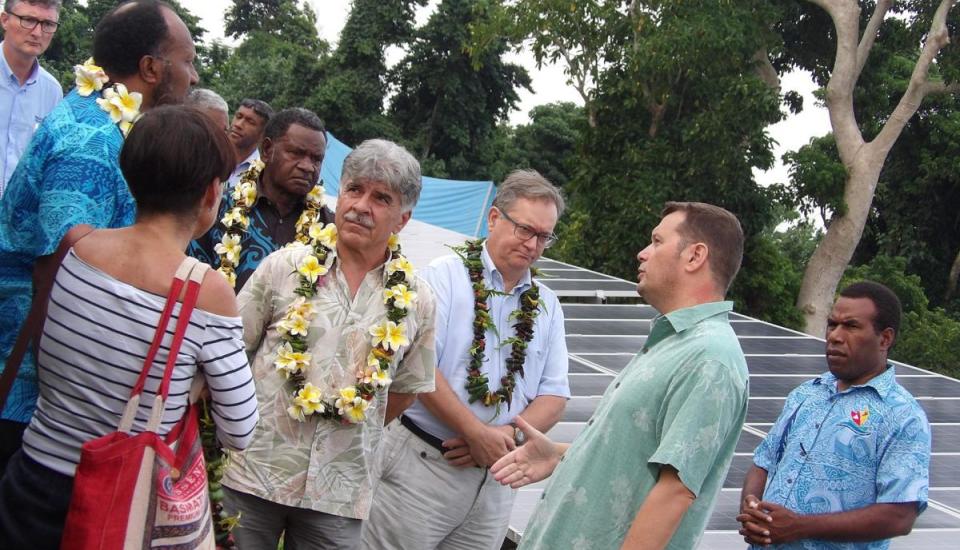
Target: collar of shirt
{"points": [[497, 279], [262, 200], [882, 383], [8, 75], [682, 319]]}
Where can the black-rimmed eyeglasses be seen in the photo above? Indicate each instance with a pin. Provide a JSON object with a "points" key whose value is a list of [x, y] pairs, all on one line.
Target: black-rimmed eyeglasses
{"points": [[525, 232], [30, 23]]}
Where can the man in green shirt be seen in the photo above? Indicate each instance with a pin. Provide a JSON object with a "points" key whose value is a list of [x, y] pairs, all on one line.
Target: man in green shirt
{"points": [[646, 469]]}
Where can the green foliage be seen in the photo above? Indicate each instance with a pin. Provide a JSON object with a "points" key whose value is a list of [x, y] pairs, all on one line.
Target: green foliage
{"points": [[265, 67], [289, 20], [548, 143], [684, 77], [817, 178], [769, 279], [929, 338], [449, 100], [279, 59], [915, 212], [352, 92]]}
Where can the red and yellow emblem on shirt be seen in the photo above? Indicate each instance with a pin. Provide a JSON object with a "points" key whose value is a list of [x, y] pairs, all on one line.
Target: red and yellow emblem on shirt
{"points": [[860, 417]]}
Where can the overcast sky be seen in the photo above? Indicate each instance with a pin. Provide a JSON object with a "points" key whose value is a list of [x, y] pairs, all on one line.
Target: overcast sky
{"points": [[549, 83]]}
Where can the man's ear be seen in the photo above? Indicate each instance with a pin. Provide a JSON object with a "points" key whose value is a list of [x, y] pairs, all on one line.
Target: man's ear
{"points": [[151, 69], [492, 216], [266, 148], [695, 256], [887, 338], [404, 218]]}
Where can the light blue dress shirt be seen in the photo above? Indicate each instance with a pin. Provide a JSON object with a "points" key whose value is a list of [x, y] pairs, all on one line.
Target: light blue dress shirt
{"points": [[834, 451], [21, 110], [545, 368]]}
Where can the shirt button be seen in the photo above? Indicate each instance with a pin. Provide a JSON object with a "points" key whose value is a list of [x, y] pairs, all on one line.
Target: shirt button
{"points": [[423, 454], [789, 480], [543, 495], [817, 425], [590, 422], [617, 385]]}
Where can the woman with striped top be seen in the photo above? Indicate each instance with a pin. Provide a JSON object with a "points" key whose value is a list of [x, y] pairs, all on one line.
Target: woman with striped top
{"points": [[103, 311]]}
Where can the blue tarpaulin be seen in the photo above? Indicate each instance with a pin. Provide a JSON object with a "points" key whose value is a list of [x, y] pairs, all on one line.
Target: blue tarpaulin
{"points": [[456, 205]]}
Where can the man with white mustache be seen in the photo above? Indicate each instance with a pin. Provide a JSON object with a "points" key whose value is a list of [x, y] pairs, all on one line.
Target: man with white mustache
{"points": [[307, 474]]}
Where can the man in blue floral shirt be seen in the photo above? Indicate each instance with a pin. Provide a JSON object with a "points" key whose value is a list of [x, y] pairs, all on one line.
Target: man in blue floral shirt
{"points": [[70, 172], [293, 148], [846, 465]]}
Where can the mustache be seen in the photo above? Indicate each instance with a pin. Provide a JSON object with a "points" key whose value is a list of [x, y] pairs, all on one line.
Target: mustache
{"points": [[361, 219]]}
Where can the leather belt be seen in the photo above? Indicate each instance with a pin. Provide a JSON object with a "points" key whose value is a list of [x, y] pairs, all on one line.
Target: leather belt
{"points": [[434, 442]]}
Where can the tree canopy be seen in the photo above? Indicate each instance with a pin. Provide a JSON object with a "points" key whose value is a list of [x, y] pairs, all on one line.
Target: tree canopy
{"points": [[677, 98]]}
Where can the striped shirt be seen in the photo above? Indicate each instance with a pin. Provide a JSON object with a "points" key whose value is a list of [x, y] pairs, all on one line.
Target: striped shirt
{"points": [[94, 343]]}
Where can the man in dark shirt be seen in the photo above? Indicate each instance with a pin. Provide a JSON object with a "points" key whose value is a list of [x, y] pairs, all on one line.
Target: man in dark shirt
{"points": [[291, 153]]}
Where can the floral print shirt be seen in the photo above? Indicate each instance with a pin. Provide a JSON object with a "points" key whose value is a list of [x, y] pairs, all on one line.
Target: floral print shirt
{"points": [[322, 464], [680, 402], [833, 451], [69, 175]]}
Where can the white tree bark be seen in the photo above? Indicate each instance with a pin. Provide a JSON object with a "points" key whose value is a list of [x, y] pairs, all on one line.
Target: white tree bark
{"points": [[863, 161]]}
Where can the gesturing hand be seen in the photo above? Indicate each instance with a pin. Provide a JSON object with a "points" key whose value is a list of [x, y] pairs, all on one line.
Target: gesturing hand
{"points": [[529, 463]]}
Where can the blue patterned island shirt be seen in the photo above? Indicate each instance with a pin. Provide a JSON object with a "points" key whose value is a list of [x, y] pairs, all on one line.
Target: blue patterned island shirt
{"points": [[836, 451], [268, 232], [70, 174]]}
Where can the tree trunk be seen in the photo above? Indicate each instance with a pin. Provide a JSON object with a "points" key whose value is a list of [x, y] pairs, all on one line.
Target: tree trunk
{"points": [[830, 259], [863, 161], [952, 278]]}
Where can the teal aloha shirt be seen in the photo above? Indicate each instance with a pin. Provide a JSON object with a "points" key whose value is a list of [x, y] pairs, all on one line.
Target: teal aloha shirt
{"points": [[680, 401]]}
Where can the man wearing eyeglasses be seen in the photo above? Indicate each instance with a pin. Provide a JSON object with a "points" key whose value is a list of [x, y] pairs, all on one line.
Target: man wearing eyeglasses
{"points": [[435, 489], [27, 92]]}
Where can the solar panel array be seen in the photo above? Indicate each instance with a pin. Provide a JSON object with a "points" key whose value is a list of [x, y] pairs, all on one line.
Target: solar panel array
{"points": [[601, 339]]}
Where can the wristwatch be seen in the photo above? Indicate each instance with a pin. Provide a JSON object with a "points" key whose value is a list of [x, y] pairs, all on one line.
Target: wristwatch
{"points": [[518, 436]]}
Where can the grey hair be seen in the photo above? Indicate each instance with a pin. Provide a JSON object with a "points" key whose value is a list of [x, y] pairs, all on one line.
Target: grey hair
{"points": [[386, 162], [10, 4], [202, 98], [527, 184]]}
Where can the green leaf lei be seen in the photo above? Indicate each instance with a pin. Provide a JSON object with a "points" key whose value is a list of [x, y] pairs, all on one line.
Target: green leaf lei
{"points": [[478, 385]]}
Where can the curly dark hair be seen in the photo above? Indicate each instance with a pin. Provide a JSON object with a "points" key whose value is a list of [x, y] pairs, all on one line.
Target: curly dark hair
{"points": [[127, 33], [280, 122], [884, 300]]}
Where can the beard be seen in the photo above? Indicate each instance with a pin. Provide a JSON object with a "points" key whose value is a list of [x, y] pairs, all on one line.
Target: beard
{"points": [[164, 94]]}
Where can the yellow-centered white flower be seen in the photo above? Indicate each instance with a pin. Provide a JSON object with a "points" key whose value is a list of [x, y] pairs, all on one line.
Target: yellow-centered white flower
{"points": [[229, 246], [89, 78]]}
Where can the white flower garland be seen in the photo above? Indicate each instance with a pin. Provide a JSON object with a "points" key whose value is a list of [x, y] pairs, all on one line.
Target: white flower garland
{"points": [[236, 219], [348, 404], [122, 106]]}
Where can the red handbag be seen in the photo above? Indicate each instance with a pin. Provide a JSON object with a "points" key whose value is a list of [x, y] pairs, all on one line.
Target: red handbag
{"points": [[143, 490]]}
